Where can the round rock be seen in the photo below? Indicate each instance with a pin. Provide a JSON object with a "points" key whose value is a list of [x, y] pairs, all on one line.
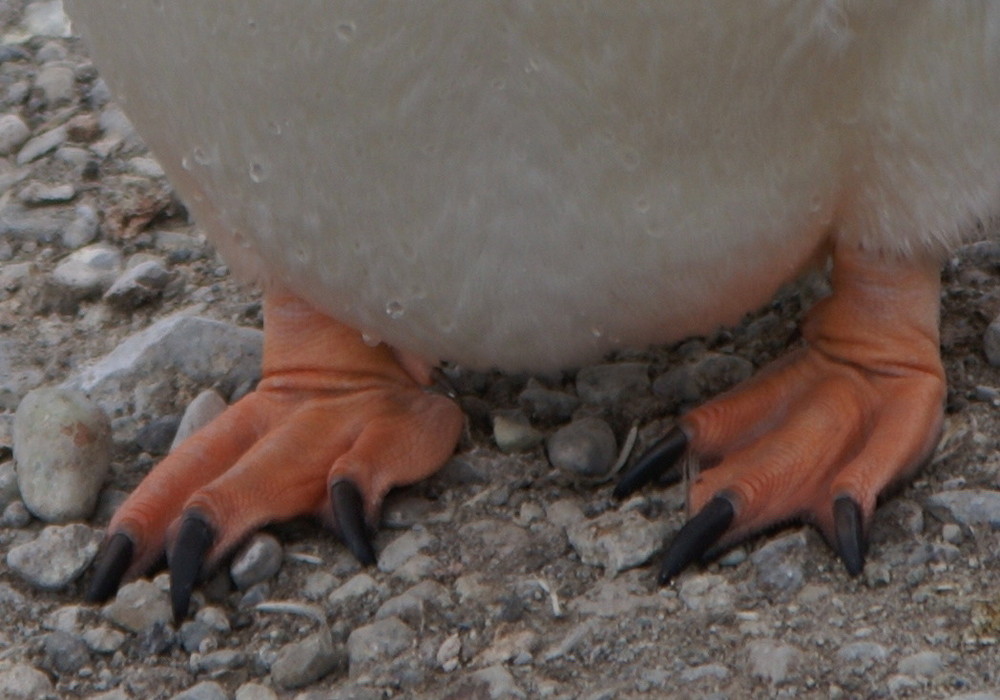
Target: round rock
{"points": [[586, 448], [13, 133], [57, 557], [62, 449], [257, 561]]}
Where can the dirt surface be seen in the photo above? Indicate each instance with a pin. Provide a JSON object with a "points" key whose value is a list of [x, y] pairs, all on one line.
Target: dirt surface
{"points": [[571, 629]]}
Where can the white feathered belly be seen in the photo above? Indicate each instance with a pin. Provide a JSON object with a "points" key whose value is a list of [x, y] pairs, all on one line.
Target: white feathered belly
{"points": [[528, 184]]}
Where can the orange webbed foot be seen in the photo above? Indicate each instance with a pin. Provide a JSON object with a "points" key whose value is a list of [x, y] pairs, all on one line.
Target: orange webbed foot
{"points": [[333, 425], [819, 434]]}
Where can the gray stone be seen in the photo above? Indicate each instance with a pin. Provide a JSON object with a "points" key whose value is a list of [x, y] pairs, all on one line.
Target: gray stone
{"points": [[380, 641], [145, 167], [86, 273], [31, 223], [62, 448], [13, 133], [103, 639], [205, 407], [138, 606], [15, 514], [196, 636], [203, 351], [138, 285], [705, 377], [46, 18], [585, 448], [57, 557], [215, 662], [499, 683], [715, 672], [24, 682], [862, 655], [617, 540], [967, 507], [358, 586], [254, 691], [156, 436], [83, 229], [609, 384], [65, 652], [707, 593], [57, 83], [923, 663], [397, 552], [514, 433], [44, 143], [778, 564], [39, 193], [772, 661], [546, 405], [258, 560], [306, 661], [206, 690]]}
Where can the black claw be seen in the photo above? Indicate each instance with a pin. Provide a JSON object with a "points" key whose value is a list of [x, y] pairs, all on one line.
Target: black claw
{"points": [[111, 565], [698, 534], [349, 513], [194, 539], [848, 533], [660, 461]]}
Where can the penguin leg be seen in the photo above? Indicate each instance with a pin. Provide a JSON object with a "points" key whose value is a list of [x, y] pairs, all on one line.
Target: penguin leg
{"points": [[332, 426], [819, 434]]}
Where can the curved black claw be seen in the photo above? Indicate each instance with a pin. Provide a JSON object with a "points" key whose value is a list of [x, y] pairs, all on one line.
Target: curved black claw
{"points": [[111, 565], [194, 539], [349, 514], [660, 461], [698, 534], [848, 531]]}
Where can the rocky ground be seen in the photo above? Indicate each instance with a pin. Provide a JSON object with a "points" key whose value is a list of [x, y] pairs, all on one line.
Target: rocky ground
{"points": [[511, 573]]}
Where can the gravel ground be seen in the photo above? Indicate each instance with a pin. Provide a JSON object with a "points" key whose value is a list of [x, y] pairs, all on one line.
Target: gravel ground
{"points": [[509, 574]]}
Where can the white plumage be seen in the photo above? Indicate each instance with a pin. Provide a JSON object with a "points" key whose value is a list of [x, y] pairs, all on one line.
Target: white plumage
{"points": [[529, 184]]}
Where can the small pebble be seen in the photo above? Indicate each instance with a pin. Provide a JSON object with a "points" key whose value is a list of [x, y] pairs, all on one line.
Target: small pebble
{"points": [[62, 447], [83, 229], [156, 436], [138, 285], [612, 383], [255, 691], [206, 690], [969, 507], [546, 405], [139, 606], [44, 143], [778, 564], [13, 133], [707, 593], [397, 552], [306, 661], [499, 683], [357, 587], [202, 410], [86, 273], [57, 557], [772, 661], [514, 433], [57, 82], [24, 682], [586, 448], [258, 560], [861, 656], [379, 641], [65, 652], [103, 639], [618, 540], [924, 663], [145, 167]]}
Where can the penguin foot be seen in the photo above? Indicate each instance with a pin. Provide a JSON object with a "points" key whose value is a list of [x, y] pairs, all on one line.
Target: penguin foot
{"points": [[333, 425], [819, 434]]}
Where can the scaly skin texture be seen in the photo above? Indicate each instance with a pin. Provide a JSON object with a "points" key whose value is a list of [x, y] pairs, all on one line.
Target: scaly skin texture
{"points": [[328, 408], [860, 406]]}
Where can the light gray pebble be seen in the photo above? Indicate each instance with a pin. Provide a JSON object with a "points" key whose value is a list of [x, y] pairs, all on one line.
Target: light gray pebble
{"points": [[24, 682], [564, 513], [31, 223], [772, 661], [206, 690], [202, 410], [83, 229], [103, 639], [862, 655], [139, 606], [62, 448], [116, 694], [11, 598], [204, 351], [50, 51], [215, 617], [15, 514], [586, 448], [155, 437], [617, 540], [258, 560], [991, 342], [923, 663], [899, 684], [967, 507], [405, 607], [417, 568], [715, 672], [65, 652], [358, 586], [57, 82], [145, 167], [114, 122], [610, 383], [255, 691], [197, 636], [40, 193], [397, 552], [13, 133], [379, 641], [706, 376], [307, 660], [318, 584], [546, 405], [778, 565], [514, 433], [707, 593], [951, 533], [499, 683], [44, 143], [57, 557], [214, 662], [138, 285], [46, 18], [733, 557], [89, 271], [68, 618]]}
